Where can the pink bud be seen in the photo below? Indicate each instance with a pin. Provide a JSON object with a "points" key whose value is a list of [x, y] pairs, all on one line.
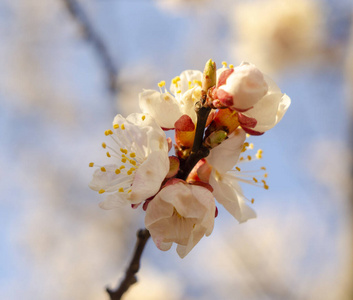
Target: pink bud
{"points": [[241, 88]]}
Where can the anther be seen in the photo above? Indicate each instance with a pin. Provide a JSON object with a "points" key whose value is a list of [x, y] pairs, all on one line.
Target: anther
{"points": [[255, 180], [263, 168], [143, 117], [101, 191], [238, 169], [117, 171], [265, 175], [91, 164], [121, 190], [116, 126], [252, 200], [108, 154], [103, 169], [123, 160], [231, 66], [104, 145], [224, 64], [251, 146], [122, 126], [249, 157], [161, 84], [132, 154]]}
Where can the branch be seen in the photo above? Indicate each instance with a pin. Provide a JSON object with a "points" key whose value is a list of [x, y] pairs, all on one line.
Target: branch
{"points": [[198, 150], [88, 31], [130, 278]]}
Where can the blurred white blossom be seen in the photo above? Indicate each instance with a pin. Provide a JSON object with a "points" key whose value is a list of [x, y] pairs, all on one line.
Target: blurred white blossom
{"points": [[274, 34]]}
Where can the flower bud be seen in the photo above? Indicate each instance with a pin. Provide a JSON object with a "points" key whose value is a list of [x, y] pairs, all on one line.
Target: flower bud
{"points": [[209, 75], [241, 88], [215, 138]]}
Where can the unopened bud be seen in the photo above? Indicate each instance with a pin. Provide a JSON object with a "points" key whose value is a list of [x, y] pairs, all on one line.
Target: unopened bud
{"points": [[209, 75], [215, 138]]}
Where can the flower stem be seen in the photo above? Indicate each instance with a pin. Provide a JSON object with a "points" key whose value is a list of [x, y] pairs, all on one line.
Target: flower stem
{"points": [[130, 273], [198, 150]]}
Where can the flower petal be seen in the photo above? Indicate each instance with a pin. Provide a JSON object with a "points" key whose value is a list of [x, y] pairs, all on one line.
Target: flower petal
{"points": [[164, 108], [149, 176], [224, 157], [229, 194]]}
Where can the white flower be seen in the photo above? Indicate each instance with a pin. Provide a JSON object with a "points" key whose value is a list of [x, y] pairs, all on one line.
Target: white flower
{"points": [[242, 87], [267, 112], [140, 161], [168, 107], [276, 34], [180, 213], [223, 180]]}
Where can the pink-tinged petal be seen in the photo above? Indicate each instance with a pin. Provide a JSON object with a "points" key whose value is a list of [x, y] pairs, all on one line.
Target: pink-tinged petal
{"points": [[246, 121], [223, 77], [224, 157], [184, 123], [149, 176], [225, 98], [164, 108], [246, 85], [252, 132], [180, 213]]}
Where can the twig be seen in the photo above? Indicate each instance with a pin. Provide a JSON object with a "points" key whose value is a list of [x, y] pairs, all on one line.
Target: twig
{"points": [[130, 277], [198, 151], [88, 31]]}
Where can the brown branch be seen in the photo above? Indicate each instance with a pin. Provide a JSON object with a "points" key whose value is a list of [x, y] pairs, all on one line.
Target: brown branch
{"points": [[198, 150], [130, 274], [79, 15]]}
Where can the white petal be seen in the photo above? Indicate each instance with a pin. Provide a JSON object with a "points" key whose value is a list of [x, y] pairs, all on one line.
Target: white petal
{"points": [[228, 193], [269, 111], [164, 108], [225, 156], [108, 180], [149, 176], [185, 77], [115, 200]]}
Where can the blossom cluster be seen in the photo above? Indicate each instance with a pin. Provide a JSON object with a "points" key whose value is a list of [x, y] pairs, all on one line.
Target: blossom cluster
{"points": [[211, 114]]}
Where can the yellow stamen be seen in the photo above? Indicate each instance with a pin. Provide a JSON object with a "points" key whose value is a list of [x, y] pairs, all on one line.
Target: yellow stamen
{"points": [[122, 126], [265, 175], [103, 169], [104, 145], [251, 146], [108, 154], [122, 167], [161, 83], [224, 64], [132, 162], [123, 160], [231, 66], [249, 157], [266, 186], [117, 171], [132, 154], [101, 191], [255, 180], [252, 200], [123, 150], [143, 117], [198, 82], [263, 168], [238, 169], [121, 190], [91, 164], [116, 126]]}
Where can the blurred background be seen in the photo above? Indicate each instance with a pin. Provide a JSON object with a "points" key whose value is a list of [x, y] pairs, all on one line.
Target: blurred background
{"points": [[68, 66]]}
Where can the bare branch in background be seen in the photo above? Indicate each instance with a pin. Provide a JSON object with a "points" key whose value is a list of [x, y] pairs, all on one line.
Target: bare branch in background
{"points": [[130, 274], [88, 31]]}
